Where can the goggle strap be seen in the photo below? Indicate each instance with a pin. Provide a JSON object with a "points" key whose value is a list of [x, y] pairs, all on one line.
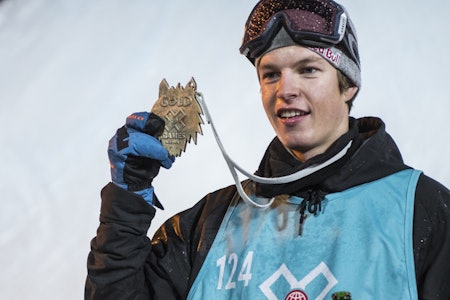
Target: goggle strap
{"points": [[342, 25]]}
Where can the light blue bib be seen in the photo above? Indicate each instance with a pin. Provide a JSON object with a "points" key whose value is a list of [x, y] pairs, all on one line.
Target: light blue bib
{"points": [[360, 242]]}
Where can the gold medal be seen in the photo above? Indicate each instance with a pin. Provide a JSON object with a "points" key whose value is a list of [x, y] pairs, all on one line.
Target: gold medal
{"points": [[181, 111]]}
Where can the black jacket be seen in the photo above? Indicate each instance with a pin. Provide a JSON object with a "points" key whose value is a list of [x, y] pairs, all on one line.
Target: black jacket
{"points": [[124, 264]]}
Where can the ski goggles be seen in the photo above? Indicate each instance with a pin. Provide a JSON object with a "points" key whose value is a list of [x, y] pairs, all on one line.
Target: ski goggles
{"points": [[316, 23]]}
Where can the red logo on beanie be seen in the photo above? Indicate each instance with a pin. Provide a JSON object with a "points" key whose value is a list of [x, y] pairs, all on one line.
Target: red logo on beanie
{"points": [[332, 55]]}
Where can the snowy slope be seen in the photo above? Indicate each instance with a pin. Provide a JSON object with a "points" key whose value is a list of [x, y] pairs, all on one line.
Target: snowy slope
{"points": [[71, 71]]}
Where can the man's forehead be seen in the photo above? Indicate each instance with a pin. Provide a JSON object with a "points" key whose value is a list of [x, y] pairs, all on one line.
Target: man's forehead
{"points": [[298, 53]]}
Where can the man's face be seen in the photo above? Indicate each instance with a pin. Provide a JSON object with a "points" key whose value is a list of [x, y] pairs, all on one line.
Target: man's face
{"points": [[301, 97]]}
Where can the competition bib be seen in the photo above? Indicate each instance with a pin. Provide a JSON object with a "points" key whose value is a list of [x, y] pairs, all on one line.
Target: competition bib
{"points": [[360, 242]]}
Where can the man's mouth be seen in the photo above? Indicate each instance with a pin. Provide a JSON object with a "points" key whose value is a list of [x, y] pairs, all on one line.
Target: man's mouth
{"points": [[286, 114]]}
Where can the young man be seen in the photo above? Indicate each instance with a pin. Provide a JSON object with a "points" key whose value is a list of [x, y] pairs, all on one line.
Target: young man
{"points": [[359, 220]]}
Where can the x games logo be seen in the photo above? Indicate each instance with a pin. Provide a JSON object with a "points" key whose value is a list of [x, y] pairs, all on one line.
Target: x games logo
{"points": [[298, 286], [182, 115]]}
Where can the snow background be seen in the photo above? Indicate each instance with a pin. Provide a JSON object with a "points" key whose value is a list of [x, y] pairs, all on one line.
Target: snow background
{"points": [[71, 71]]}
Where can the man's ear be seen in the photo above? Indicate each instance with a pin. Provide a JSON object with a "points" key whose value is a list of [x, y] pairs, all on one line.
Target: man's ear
{"points": [[350, 93]]}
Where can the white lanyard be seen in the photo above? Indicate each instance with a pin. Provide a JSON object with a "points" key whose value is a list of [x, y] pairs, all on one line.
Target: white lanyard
{"points": [[264, 180]]}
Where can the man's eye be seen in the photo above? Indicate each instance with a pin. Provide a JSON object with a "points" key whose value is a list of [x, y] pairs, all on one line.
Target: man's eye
{"points": [[308, 70], [269, 75]]}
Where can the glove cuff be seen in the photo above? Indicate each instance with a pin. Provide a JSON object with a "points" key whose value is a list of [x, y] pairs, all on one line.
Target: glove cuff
{"points": [[150, 197], [147, 194]]}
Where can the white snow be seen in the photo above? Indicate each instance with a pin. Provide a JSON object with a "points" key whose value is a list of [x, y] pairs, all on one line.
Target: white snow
{"points": [[71, 71]]}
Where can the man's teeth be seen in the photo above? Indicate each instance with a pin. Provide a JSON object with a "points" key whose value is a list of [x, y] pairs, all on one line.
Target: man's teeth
{"points": [[292, 113]]}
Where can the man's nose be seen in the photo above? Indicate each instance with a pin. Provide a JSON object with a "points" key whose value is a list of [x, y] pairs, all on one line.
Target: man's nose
{"points": [[287, 87]]}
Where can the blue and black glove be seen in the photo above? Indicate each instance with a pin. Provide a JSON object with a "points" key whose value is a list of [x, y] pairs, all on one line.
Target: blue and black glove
{"points": [[135, 155]]}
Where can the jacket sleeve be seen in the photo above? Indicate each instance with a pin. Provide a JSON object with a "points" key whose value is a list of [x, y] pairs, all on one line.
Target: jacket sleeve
{"points": [[124, 264], [432, 239], [116, 262]]}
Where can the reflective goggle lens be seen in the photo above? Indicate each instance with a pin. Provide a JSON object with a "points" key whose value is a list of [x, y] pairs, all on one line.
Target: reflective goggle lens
{"points": [[314, 21]]}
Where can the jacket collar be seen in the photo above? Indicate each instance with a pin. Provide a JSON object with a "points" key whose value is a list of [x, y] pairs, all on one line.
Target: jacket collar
{"points": [[373, 155]]}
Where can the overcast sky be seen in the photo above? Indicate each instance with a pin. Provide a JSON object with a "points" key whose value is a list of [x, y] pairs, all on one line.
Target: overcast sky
{"points": [[71, 71]]}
